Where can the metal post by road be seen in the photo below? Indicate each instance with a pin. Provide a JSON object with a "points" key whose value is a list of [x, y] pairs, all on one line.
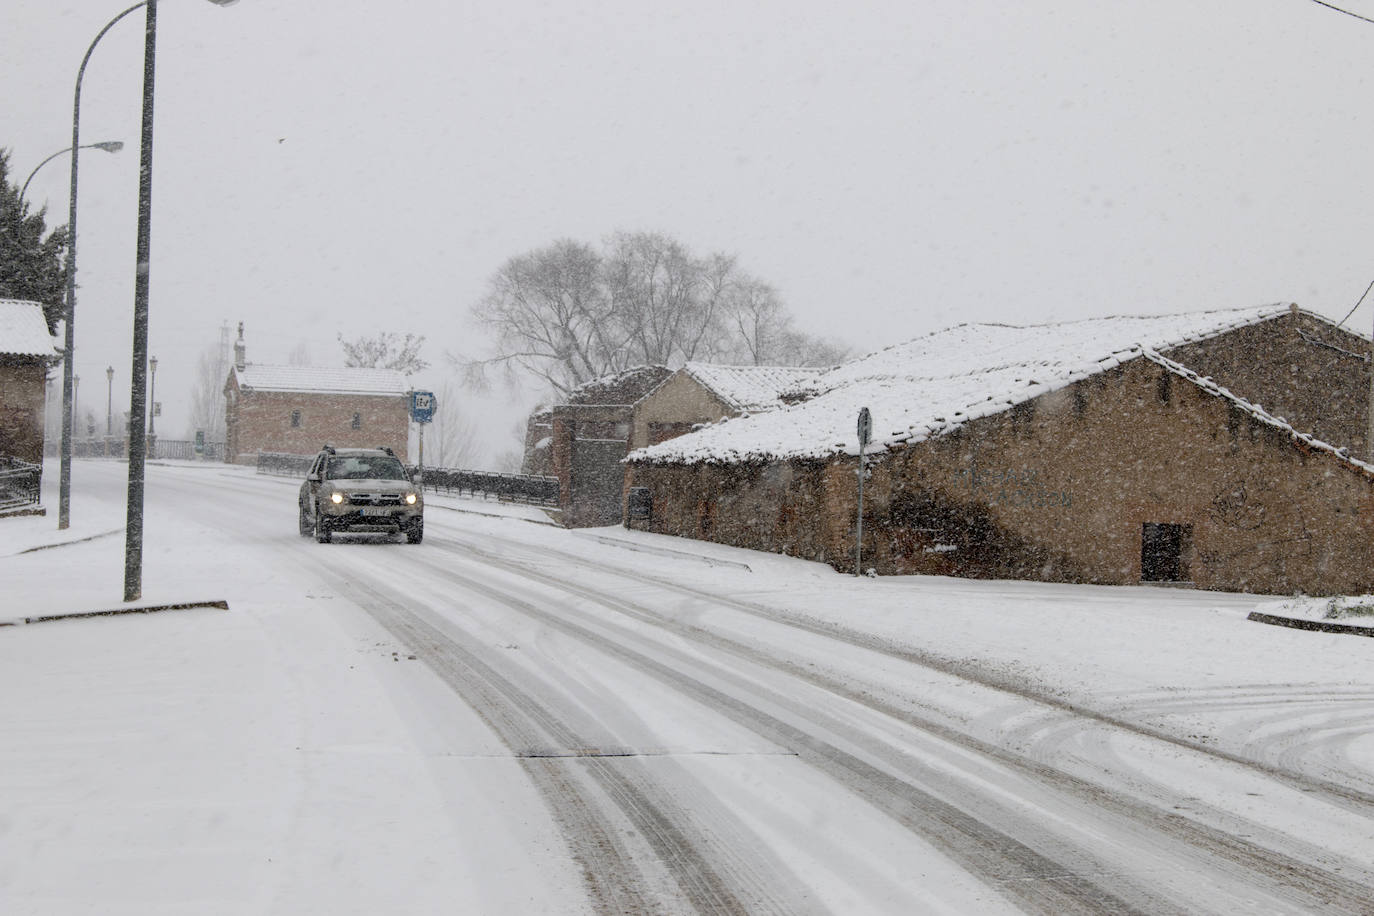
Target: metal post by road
{"points": [[865, 430], [109, 400], [133, 538]]}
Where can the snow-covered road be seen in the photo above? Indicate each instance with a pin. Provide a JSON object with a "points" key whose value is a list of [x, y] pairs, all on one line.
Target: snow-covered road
{"points": [[515, 718]]}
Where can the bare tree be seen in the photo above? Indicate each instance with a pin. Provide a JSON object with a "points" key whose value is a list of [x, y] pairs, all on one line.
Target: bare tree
{"points": [[385, 351], [764, 333], [568, 314], [207, 392], [300, 355], [551, 317], [452, 439]]}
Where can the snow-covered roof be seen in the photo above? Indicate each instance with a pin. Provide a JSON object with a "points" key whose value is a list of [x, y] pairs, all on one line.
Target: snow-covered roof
{"points": [[928, 386], [619, 389], [321, 380], [24, 330], [750, 388]]}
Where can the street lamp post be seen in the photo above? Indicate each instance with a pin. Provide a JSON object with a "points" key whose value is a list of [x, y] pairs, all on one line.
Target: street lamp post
{"points": [[64, 488], [109, 146], [109, 401], [69, 340], [133, 538]]}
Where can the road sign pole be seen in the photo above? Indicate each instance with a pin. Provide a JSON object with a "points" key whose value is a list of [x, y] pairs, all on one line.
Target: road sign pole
{"points": [[865, 430]]}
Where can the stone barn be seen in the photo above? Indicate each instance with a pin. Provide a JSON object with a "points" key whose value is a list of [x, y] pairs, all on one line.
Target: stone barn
{"points": [[296, 410], [1216, 449], [27, 351]]}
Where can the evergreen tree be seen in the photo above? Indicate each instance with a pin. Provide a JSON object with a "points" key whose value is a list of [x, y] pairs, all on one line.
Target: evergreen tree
{"points": [[31, 258]]}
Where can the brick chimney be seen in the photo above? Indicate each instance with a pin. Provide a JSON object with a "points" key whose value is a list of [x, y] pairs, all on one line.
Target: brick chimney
{"points": [[240, 351]]}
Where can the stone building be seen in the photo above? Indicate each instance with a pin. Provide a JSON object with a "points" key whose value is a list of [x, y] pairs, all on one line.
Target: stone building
{"points": [[298, 409], [27, 351], [701, 393], [1217, 449], [587, 439]]}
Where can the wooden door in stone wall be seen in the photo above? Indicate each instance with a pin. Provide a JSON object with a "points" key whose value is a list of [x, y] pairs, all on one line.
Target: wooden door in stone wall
{"points": [[598, 480]]}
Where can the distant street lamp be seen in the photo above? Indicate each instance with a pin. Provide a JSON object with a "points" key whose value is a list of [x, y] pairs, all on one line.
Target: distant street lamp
{"points": [[76, 389], [109, 146], [152, 408], [109, 400], [133, 528]]}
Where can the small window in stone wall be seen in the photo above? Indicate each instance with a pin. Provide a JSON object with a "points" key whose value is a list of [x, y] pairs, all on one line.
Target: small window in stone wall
{"points": [[357, 421], [295, 418]]}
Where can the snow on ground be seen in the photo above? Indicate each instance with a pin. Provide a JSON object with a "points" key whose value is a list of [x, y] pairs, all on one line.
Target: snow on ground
{"points": [[284, 757]]}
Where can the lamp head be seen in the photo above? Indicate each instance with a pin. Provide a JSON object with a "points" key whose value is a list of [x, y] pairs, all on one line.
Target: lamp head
{"points": [[109, 146], [109, 374], [152, 363]]}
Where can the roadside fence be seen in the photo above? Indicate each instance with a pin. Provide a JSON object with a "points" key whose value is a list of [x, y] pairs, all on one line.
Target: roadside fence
{"points": [[20, 483], [520, 488]]}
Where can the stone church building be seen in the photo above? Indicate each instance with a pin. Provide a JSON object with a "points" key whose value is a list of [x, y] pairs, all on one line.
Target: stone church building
{"points": [[1225, 450], [296, 410]]}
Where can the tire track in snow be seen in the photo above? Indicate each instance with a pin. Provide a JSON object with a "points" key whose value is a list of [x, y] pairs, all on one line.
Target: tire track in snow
{"points": [[617, 881], [1348, 895], [1036, 882], [1363, 800]]}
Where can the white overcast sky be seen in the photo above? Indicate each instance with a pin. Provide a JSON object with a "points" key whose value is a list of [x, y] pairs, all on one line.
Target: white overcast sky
{"points": [[327, 166]]}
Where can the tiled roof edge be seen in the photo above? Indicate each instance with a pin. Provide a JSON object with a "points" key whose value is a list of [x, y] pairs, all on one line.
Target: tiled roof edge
{"points": [[1256, 411]]}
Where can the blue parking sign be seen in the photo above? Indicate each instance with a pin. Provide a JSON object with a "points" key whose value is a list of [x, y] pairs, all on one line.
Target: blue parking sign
{"points": [[422, 404]]}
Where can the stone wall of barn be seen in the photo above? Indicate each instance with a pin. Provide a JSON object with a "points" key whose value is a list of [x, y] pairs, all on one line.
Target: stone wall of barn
{"points": [[22, 382], [1067, 487], [1297, 367], [301, 423]]}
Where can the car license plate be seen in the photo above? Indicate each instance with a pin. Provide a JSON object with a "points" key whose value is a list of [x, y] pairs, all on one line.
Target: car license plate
{"points": [[375, 510]]}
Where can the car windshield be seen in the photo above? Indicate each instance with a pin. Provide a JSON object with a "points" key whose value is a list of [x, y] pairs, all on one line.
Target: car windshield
{"points": [[365, 467]]}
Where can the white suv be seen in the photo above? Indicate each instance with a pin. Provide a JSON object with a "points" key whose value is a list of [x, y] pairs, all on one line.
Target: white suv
{"points": [[360, 489]]}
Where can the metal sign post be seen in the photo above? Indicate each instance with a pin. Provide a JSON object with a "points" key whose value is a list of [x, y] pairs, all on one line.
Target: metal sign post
{"points": [[422, 405], [865, 431]]}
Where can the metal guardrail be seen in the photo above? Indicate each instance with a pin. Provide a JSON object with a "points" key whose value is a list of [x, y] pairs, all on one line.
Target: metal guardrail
{"points": [[280, 464], [116, 447], [20, 483], [520, 488]]}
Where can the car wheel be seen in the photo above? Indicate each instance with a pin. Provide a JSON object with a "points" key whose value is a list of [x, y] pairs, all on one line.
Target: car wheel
{"points": [[322, 532], [305, 523], [415, 532]]}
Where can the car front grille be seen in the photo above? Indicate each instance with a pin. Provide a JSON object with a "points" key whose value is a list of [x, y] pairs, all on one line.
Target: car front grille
{"points": [[375, 499]]}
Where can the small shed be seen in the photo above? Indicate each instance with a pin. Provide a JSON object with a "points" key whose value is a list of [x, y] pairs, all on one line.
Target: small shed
{"points": [[27, 351]]}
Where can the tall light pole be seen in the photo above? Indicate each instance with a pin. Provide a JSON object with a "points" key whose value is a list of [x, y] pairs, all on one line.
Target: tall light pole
{"points": [[109, 146], [133, 538], [109, 400], [64, 488]]}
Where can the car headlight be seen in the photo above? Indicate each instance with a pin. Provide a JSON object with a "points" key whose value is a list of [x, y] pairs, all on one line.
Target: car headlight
{"points": [[410, 499], [336, 497]]}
